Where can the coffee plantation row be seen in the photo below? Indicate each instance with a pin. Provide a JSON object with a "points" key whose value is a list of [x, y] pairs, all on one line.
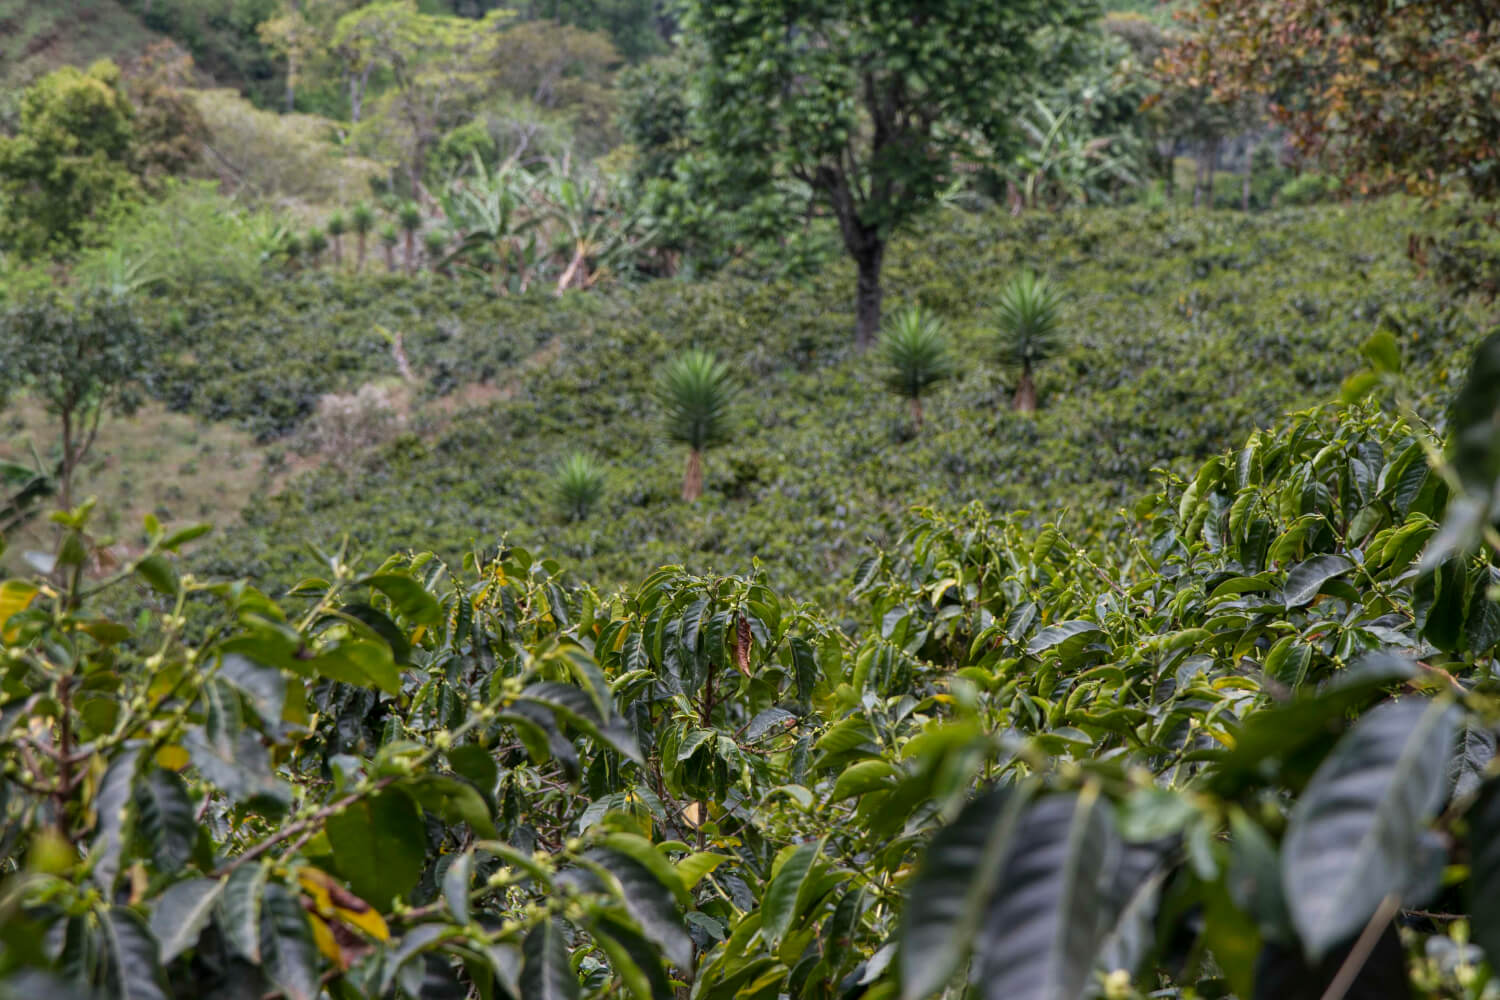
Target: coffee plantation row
{"points": [[1246, 744]]}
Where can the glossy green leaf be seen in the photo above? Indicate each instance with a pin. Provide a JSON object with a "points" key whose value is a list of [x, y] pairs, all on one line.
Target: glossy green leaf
{"points": [[1353, 835], [1484, 884], [650, 902], [111, 805], [239, 909], [288, 954], [779, 904], [545, 972], [165, 818], [380, 845], [179, 916], [952, 885], [133, 956], [1046, 922]]}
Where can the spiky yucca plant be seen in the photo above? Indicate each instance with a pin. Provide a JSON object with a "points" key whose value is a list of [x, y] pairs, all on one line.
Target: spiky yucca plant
{"points": [[435, 245], [362, 219], [915, 350], [579, 484], [388, 240], [410, 220], [314, 243], [695, 391], [1029, 315], [337, 227]]}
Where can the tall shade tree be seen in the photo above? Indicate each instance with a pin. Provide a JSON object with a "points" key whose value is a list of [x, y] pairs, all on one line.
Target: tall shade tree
{"points": [[870, 104], [70, 163], [696, 391], [1029, 315], [79, 359], [915, 351], [1389, 95], [438, 67]]}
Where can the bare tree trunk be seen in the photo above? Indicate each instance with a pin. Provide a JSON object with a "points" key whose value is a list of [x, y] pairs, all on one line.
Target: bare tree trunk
{"points": [[1213, 167], [65, 471], [359, 263], [916, 414], [868, 294], [692, 477], [1025, 399], [1198, 176], [411, 251], [577, 272], [1245, 182], [390, 258]]}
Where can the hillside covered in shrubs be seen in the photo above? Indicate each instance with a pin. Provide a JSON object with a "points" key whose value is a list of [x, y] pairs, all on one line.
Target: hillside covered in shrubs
{"points": [[686, 500], [1178, 337]]}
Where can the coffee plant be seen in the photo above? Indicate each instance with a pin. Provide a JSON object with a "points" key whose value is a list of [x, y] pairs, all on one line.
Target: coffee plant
{"points": [[1248, 747]]}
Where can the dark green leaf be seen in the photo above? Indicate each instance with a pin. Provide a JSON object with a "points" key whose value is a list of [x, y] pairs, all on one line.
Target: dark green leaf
{"points": [[1353, 835], [239, 909], [649, 903], [287, 951], [181, 913], [545, 972], [634, 958], [132, 953], [164, 817], [1484, 867], [456, 886], [1306, 579], [241, 771], [947, 896], [455, 800], [1046, 921], [380, 846], [111, 804]]}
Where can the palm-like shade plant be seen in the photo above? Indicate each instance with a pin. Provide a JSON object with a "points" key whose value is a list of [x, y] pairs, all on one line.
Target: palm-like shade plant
{"points": [[315, 243], [337, 227], [363, 221], [579, 485], [695, 391], [1029, 315], [388, 240], [916, 356], [435, 245], [291, 246], [410, 219]]}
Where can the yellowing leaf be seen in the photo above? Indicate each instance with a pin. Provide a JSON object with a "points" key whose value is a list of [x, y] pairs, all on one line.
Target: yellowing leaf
{"points": [[323, 937], [332, 901], [15, 596], [692, 868], [172, 757]]}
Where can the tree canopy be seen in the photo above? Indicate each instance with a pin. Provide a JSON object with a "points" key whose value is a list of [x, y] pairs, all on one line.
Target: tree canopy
{"points": [[1391, 95], [872, 106], [70, 163]]}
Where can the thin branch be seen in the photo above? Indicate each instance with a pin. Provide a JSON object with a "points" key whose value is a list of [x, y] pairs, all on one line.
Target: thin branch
{"points": [[1363, 946]]}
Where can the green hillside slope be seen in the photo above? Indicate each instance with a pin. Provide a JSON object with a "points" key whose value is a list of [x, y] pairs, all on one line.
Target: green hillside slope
{"points": [[1183, 334], [38, 37]]}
